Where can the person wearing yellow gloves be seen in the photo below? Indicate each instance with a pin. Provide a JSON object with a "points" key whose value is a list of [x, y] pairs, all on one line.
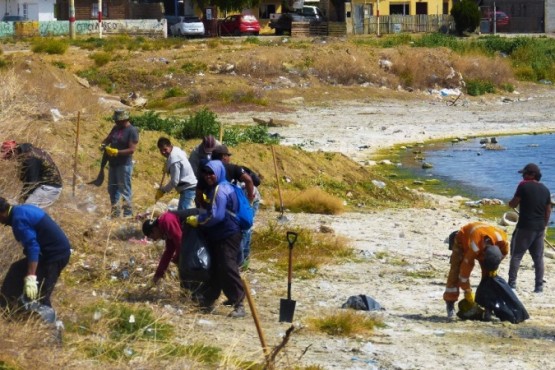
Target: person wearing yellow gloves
{"points": [[223, 236], [119, 146], [182, 177], [468, 245], [46, 248]]}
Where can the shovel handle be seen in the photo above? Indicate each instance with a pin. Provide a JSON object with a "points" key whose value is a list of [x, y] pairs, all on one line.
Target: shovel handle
{"points": [[291, 238], [161, 184]]}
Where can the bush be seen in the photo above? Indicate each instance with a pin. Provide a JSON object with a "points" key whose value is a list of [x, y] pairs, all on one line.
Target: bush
{"points": [[101, 58], [467, 16], [49, 46], [202, 123], [479, 87]]}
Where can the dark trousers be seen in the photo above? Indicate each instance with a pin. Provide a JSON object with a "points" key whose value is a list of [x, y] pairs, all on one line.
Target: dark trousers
{"points": [[225, 275], [523, 241], [47, 276]]}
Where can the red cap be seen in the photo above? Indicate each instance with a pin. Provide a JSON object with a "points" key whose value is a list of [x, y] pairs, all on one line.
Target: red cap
{"points": [[8, 148]]}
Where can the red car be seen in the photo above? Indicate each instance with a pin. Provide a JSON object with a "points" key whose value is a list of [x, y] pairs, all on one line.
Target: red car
{"points": [[239, 24]]}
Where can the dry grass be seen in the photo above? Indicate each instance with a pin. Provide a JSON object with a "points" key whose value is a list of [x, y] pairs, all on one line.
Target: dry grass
{"points": [[313, 200], [496, 70], [346, 323]]}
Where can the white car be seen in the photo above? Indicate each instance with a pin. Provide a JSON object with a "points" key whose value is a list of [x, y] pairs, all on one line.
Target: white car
{"points": [[188, 26]]}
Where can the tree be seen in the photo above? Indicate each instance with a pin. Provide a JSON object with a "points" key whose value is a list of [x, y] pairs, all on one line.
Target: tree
{"points": [[467, 16]]}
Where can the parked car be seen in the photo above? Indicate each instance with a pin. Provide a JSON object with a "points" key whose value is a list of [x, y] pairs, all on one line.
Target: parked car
{"points": [[501, 18], [189, 26], [239, 24], [281, 23], [13, 18], [170, 21]]}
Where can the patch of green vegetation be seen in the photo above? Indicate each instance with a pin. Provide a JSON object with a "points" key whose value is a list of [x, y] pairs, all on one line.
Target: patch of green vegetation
{"points": [[49, 45], [101, 58], [4, 63], [59, 64], [173, 92], [479, 87], [194, 67], [346, 323], [199, 352]]}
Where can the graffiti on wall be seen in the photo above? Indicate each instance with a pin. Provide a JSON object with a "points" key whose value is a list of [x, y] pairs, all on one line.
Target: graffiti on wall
{"points": [[150, 27]]}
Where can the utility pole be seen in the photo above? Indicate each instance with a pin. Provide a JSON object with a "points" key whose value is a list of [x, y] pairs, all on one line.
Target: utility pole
{"points": [[72, 19], [100, 18], [378, 15]]}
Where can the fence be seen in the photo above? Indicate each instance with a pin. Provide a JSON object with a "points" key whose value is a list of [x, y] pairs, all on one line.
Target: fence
{"points": [[404, 23], [306, 29]]}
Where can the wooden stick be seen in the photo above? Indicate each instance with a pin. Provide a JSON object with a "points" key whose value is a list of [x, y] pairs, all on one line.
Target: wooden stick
{"points": [[76, 149], [161, 184], [277, 180], [221, 132], [255, 317]]}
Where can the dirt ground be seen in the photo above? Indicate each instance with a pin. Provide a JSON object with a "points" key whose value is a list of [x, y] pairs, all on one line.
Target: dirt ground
{"points": [[402, 258], [417, 335]]}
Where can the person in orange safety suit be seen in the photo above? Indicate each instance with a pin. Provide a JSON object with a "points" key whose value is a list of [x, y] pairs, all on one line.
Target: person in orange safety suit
{"points": [[469, 245]]}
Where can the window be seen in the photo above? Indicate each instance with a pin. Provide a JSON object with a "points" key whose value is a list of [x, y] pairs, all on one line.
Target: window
{"points": [[94, 10], [266, 10]]}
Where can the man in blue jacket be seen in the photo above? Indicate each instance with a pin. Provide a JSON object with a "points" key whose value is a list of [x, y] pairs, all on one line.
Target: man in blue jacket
{"points": [[223, 239], [46, 250]]}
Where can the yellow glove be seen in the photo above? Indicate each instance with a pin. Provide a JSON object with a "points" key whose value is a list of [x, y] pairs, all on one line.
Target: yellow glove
{"points": [[102, 147], [159, 194], [30, 287], [192, 220], [469, 296], [112, 152], [493, 273]]}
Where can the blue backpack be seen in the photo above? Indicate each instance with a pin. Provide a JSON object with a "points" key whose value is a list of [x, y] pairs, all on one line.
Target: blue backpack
{"points": [[245, 213]]}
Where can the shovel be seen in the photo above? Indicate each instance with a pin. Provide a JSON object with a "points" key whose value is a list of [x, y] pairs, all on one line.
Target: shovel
{"points": [[287, 306], [100, 178]]}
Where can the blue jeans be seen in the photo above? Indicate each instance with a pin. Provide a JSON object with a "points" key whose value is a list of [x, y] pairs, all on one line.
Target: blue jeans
{"points": [[245, 250], [186, 199], [119, 185]]}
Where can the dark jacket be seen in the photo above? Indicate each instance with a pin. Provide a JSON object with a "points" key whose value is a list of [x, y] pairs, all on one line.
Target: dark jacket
{"points": [[36, 168], [41, 237]]}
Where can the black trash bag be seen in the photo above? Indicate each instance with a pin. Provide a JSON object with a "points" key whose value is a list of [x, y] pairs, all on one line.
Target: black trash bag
{"points": [[495, 294], [194, 258], [362, 302]]}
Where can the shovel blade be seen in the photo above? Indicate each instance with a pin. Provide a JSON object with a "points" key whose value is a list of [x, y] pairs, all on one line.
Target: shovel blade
{"points": [[99, 180], [286, 310]]}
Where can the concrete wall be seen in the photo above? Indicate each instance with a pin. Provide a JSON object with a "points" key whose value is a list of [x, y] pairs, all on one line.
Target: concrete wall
{"points": [[150, 27], [549, 16]]}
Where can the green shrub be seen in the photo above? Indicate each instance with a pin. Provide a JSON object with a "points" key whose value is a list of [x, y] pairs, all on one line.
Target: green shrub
{"points": [[202, 123], [172, 92], [508, 87], [194, 67], [49, 46], [479, 87], [59, 64], [467, 16], [3, 63], [101, 58]]}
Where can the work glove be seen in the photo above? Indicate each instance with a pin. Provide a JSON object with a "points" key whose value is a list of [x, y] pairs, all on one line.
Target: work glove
{"points": [[112, 152], [469, 296], [159, 194], [492, 273], [102, 147], [30, 287], [192, 220]]}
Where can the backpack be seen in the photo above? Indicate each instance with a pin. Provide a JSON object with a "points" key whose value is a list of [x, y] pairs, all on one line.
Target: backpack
{"points": [[245, 213]]}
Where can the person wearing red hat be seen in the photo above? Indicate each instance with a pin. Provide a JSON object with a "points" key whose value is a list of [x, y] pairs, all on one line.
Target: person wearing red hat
{"points": [[42, 182], [534, 200]]}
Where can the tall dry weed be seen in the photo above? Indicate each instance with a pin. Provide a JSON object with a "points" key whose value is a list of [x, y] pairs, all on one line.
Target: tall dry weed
{"points": [[496, 70]]}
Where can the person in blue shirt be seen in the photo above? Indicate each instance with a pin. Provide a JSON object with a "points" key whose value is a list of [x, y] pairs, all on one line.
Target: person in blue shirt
{"points": [[46, 249], [223, 238]]}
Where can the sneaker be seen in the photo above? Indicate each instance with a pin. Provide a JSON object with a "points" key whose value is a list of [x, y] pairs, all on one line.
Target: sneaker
{"points": [[238, 311], [207, 307], [450, 310], [512, 284], [538, 289], [487, 315]]}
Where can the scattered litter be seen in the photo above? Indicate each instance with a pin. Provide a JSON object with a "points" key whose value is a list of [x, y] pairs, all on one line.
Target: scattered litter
{"points": [[205, 322], [56, 115], [362, 302], [378, 184], [448, 92], [131, 319]]}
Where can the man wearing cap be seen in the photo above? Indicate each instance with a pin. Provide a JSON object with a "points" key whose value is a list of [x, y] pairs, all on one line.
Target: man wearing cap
{"points": [[202, 154], [119, 145], [182, 177], [46, 248], [534, 200], [42, 182], [469, 245], [249, 181]]}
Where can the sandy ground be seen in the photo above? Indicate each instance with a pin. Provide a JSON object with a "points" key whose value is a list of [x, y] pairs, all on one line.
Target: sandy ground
{"points": [[410, 242]]}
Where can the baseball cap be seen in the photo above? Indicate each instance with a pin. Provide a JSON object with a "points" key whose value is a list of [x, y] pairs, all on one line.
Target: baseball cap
{"points": [[492, 257], [219, 151], [8, 147], [208, 144], [148, 226], [529, 168]]}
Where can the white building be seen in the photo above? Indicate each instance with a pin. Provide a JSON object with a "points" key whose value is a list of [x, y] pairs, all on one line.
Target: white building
{"points": [[33, 10]]}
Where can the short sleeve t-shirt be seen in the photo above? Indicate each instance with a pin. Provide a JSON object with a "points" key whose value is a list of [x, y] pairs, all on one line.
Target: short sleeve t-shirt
{"points": [[534, 198], [120, 139]]}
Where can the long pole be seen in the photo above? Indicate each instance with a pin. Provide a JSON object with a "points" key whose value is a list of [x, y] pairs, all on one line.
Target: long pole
{"points": [[72, 19], [256, 321], [277, 182], [75, 155], [378, 15], [100, 18]]}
